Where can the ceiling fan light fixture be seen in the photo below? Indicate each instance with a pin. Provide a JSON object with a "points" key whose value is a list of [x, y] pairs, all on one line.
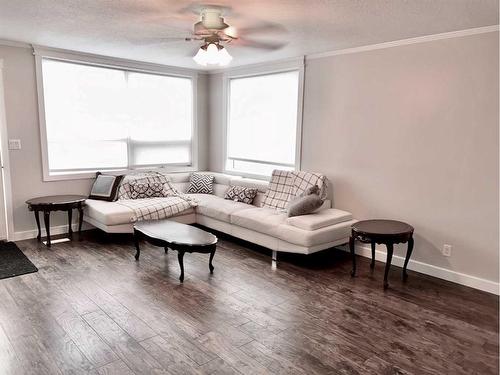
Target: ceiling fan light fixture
{"points": [[200, 57], [212, 54], [224, 57]]}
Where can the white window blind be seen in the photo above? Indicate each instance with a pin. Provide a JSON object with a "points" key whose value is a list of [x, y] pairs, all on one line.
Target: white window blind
{"points": [[106, 118], [262, 123]]}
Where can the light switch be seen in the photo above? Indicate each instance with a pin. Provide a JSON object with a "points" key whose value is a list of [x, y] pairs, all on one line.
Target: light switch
{"points": [[14, 144]]}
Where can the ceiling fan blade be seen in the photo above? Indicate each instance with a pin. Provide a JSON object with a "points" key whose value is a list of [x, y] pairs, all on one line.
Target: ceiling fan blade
{"points": [[261, 28], [192, 51], [271, 46], [159, 40]]}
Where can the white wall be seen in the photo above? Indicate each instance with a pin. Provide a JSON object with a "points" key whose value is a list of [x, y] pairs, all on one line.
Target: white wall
{"points": [[22, 123], [409, 133]]}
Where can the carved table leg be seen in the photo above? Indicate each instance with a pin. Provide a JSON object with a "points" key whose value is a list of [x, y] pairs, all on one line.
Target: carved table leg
{"points": [[180, 257], [408, 255], [390, 249], [136, 243], [80, 221], [353, 255], [46, 218], [210, 265], [70, 219], [37, 218], [372, 264]]}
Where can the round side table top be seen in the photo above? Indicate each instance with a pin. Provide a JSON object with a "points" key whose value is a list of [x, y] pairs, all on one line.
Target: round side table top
{"points": [[56, 200], [382, 227]]}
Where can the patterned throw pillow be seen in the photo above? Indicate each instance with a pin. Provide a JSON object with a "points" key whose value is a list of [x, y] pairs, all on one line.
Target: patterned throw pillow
{"points": [[304, 180], [201, 183], [285, 185], [278, 191], [105, 187], [145, 185], [241, 194]]}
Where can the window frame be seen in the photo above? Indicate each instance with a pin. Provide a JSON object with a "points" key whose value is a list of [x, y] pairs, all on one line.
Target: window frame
{"points": [[296, 64], [42, 53]]}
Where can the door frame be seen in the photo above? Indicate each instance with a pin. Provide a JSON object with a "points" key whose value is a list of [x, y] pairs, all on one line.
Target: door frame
{"points": [[6, 217]]}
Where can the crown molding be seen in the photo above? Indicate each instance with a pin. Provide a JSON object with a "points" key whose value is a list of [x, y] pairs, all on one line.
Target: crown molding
{"points": [[14, 43], [287, 63], [90, 58], [404, 42]]}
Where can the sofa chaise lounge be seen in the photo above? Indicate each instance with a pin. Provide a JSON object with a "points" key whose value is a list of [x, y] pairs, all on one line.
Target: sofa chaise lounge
{"points": [[268, 227]]}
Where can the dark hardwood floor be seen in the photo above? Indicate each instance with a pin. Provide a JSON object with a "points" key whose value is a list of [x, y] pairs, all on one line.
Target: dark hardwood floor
{"points": [[93, 309]]}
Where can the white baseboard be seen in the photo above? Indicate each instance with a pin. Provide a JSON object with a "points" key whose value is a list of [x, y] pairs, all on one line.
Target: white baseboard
{"points": [[428, 269], [56, 230]]}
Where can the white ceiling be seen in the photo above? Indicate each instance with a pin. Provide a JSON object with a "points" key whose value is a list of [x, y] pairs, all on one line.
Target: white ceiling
{"points": [[118, 27]]}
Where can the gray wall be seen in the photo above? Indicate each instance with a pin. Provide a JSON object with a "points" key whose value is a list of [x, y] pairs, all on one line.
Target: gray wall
{"points": [[410, 133], [22, 123], [215, 119]]}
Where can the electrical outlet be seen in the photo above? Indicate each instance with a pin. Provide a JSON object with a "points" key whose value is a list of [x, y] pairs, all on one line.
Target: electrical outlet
{"points": [[447, 250], [14, 144]]}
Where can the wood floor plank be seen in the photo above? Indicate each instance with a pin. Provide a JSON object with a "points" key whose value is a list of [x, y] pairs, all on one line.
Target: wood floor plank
{"points": [[92, 309], [167, 329], [9, 362], [114, 368], [96, 350], [128, 321], [169, 356], [217, 366], [129, 350], [232, 355], [41, 324], [273, 361]]}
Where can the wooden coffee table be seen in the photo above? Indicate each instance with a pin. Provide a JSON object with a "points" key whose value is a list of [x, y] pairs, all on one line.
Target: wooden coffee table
{"points": [[176, 236], [388, 232], [57, 203]]}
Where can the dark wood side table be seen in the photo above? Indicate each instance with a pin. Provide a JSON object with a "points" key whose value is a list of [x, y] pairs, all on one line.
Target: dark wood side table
{"points": [[388, 232], [56, 203], [176, 236]]}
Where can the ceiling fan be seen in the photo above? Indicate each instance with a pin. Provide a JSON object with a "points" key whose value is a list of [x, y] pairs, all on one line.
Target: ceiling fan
{"points": [[215, 34]]}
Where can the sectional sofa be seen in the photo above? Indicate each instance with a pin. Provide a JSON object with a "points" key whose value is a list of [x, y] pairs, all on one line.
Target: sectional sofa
{"points": [[271, 228]]}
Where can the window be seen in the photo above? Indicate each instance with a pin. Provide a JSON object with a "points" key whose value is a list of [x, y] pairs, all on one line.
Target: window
{"points": [[99, 118], [262, 123]]}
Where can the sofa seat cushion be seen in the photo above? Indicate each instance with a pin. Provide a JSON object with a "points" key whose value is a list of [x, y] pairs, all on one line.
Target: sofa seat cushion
{"points": [[217, 207], [264, 220], [113, 213], [319, 219], [316, 237], [109, 213]]}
